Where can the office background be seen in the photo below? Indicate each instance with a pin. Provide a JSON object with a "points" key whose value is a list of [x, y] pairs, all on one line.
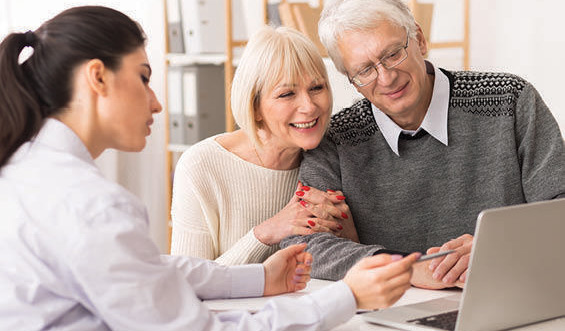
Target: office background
{"points": [[518, 36]]}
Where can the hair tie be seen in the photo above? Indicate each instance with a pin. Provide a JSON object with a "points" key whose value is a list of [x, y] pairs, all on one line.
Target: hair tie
{"points": [[30, 38]]}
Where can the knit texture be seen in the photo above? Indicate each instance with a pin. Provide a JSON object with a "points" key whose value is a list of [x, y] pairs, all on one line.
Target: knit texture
{"points": [[504, 148], [217, 200]]}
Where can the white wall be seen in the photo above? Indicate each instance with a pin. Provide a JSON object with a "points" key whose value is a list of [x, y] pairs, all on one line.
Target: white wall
{"points": [[524, 38]]}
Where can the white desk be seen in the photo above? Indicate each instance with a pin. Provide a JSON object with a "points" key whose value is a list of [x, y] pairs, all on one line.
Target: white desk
{"points": [[413, 295]]}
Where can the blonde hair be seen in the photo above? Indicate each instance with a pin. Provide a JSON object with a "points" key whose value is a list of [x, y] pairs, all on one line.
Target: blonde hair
{"points": [[271, 55]]}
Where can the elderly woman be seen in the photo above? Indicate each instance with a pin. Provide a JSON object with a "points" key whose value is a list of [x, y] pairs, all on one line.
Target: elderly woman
{"points": [[234, 194]]}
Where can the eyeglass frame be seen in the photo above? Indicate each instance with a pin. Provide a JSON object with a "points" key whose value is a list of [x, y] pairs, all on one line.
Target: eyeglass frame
{"points": [[353, 79]]}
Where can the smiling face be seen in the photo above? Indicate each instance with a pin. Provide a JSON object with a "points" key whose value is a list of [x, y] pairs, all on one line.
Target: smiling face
{"points": [[403, 92], [295, 116], [126, 111]]}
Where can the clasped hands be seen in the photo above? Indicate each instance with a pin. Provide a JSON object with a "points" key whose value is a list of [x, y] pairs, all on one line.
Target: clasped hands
{"points": [[309, 211]]}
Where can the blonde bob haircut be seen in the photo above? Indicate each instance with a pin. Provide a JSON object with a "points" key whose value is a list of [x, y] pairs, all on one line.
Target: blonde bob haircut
{"points": [[272, 55]]}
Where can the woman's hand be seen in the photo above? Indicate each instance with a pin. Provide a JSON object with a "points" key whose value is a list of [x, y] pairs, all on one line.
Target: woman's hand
{"points": [[294, 219], [329, 205], [379, 281], [287, 270]]}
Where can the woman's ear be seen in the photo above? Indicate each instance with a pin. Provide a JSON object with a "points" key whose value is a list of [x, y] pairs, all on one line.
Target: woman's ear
{"points": [[96, 76]]}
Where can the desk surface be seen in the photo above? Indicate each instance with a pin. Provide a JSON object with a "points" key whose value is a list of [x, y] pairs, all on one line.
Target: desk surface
{"points": [[413, 295]]}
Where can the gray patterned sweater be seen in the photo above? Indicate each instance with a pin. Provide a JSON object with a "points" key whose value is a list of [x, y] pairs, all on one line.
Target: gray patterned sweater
{"points": [[504, 148]]}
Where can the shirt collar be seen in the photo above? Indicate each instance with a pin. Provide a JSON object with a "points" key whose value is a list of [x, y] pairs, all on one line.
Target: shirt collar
{"points": [[435, 120], [60, 137]]}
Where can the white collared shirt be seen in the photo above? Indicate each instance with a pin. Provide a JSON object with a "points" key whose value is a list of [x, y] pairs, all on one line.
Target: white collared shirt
{"points": [[435, 120], [75, 254]]}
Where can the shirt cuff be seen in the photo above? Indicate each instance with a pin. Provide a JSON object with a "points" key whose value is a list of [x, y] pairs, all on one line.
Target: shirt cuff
{"points": [[247, 280], [337, 304]]}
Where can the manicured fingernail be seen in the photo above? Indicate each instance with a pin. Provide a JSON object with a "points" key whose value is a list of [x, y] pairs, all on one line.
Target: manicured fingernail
{"points": [[339, 227], [308, 262], [312, 223], [306, 188], [304, 203], [344, 215], [297, 278], [331, 191], [300, 193], [299, 270], [396, 257], [340, 197]]}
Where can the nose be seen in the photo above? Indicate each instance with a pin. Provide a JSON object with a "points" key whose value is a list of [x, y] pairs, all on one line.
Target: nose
{"points": [[386, 76], [306, 103], [155, 105]]}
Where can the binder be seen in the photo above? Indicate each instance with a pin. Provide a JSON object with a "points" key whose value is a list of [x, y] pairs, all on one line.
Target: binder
{"points": [[204, 26], [175, 105], [174, 27], [203, 113]]}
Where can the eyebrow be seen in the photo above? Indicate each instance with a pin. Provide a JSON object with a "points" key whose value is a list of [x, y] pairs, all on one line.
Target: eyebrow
{"points": [[384, 52]]}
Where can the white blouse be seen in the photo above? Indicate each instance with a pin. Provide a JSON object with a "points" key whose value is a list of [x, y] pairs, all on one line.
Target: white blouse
{"points": [[75, 255]]}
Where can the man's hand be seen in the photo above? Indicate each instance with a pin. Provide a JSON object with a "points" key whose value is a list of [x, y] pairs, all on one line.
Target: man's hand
{"points": [[422, 275], [287, 270], [447, 271], [379, 281]]}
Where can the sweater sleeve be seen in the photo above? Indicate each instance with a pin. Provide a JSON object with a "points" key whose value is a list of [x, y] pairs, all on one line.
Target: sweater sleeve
{"points": [[192, 232], [540, 148], [333, 256]]}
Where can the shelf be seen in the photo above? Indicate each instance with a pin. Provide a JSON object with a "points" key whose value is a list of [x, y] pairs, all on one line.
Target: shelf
{"points": [[195, 59]]}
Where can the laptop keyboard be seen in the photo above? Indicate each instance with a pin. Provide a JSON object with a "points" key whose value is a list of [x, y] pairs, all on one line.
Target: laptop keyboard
{"points": [[445, 321]]}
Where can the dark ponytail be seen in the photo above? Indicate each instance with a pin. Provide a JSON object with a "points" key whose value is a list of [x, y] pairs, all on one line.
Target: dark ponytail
{"points": [[42, 85]]}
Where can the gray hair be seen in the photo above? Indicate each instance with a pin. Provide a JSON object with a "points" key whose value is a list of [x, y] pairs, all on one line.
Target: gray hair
{"points": [[271, 55], [339, 16]]}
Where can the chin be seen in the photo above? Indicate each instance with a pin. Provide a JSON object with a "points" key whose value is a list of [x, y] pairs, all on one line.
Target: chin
{"points": [[133, 146]]}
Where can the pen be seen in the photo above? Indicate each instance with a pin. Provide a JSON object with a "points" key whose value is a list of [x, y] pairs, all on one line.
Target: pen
{"points": [[434, 255]]}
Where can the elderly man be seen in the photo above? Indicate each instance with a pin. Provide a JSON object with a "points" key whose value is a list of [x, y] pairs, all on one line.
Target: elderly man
{"points": [[426, 149]]}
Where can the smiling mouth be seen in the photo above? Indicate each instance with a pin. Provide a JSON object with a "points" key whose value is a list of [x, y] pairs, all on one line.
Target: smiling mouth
{"points": [[306, 125], [393, 93]]}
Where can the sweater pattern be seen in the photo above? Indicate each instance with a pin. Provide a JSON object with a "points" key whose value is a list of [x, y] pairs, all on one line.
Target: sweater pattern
{"points": [[478, 93]]}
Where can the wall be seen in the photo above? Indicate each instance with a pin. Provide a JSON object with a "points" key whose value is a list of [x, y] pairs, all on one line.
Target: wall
{"points": [[525, 38]]}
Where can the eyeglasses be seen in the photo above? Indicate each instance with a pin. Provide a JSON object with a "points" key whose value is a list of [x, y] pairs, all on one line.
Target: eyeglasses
{"points": [[367, 75]]}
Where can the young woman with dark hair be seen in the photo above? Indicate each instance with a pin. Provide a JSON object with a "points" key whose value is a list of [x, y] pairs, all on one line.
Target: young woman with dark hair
{"points": [[74, 247]]}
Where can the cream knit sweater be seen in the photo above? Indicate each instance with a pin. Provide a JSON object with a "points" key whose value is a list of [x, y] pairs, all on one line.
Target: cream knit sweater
{"points": [[217, 200]]}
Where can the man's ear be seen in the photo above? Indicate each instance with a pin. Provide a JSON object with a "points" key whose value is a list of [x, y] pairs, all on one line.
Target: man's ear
{"points": [[96, 76], [422, 42]]}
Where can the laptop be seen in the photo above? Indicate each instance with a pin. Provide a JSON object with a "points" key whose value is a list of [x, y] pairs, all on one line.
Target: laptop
{"points": [[516, 275]]}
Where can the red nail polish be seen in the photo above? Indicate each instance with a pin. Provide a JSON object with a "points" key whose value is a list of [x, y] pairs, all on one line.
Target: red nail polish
{"points": [[303, 203], [331, 191], [339, 227], [340, 197], [300, 193], [312, 223], [344, 215], [306, 188]]}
